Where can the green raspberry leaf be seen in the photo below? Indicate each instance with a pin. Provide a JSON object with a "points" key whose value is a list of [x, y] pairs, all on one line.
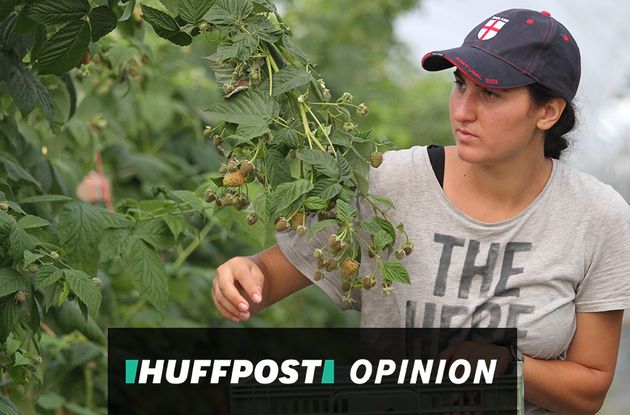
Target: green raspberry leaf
{"points": [[394, 271], [82, 286], [58, 11], [65, 49], [147, 272]]}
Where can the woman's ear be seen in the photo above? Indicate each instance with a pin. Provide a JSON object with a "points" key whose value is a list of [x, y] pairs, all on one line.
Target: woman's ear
{"points": [[550, 113]]}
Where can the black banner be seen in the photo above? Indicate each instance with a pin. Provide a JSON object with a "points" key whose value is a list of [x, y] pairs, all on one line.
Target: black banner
{"points": [[312, 371]]}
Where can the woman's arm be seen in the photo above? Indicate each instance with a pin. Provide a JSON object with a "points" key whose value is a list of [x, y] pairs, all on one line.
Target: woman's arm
{"points": [[242, 286], [577, 385]]}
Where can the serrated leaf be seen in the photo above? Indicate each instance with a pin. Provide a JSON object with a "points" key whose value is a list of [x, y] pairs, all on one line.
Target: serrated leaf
{"points": [[171, 6], [47, 276], [261, 28], [289, 78], [277, 168], [252, 131], [181, 39], [20, 241], [394, 271], [192, 11], [16, 172], [30, 221], [286, 194], [9, 317], [58, 11], [370, 226], [65, 49], [345, 170], [176, 224], [20, 360], [381, 240], [25, 88], [323, 162], [227, 14], [103, 20], [6, 223], [322, 224], [46, 199], [163, 23], [382, 200], [80, 228], [11, 281], [189, 198], [147, 273], [287, 137], [259, 204], [266, 4], [222, 70], [247, 108], [386, 226], [315, 203], [30, 257], [295, 49], [331, 191], [154, 232], [82, 286], [345, 212], [115, 242]]}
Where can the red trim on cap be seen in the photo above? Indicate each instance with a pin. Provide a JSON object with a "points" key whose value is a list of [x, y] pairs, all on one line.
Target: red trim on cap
{"points": [[546, 13], [476, 81], [530, 21]]}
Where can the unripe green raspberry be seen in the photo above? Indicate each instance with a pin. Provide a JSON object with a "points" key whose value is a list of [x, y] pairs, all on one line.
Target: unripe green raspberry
{"points": [[331, 265], [346, 98], [376, 159], [97, 281], [20, 296], [4, 206], [400, 254], [281, 224], [251, 219], [349, 126]]}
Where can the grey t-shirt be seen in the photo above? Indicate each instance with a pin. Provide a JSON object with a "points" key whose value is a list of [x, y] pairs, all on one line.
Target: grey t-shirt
{"points": [[567, 252]]}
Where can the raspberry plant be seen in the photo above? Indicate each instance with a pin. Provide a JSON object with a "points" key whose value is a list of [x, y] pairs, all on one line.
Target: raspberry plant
{"points": [[279, 127], [291, 153]]}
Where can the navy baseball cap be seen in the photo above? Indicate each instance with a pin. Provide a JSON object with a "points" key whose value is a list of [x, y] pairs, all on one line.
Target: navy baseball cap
{"points": [[514, 48]]}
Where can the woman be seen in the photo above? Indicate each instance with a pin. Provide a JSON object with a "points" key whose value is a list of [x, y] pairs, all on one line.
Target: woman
{"points": [[506, 235]]}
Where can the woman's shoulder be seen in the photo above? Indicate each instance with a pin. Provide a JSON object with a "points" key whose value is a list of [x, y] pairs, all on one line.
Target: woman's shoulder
{"points": [[400, 168], [588, 193]]}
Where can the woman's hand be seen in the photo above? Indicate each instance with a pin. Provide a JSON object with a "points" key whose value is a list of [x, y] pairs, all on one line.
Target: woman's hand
{"points": [[236, 282]]}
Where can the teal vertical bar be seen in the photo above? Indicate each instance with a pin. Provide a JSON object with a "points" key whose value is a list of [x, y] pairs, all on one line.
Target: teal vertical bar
{"points": [[131, 367], [328, 376]]}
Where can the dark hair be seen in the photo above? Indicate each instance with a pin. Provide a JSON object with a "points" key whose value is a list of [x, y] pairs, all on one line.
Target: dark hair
{"points": [[555, 140]]}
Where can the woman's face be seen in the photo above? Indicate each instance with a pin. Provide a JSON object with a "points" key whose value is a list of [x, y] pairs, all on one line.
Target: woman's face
{"points": [[493, 125]]}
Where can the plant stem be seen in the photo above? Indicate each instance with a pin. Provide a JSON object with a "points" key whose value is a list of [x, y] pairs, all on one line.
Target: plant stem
{"points": [[89, 388], [270, 74], [307, 130], [321, 127], [193, 245]]}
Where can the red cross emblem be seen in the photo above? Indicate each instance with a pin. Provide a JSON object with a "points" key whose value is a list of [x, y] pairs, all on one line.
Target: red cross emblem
{"points": [[490, 29]]}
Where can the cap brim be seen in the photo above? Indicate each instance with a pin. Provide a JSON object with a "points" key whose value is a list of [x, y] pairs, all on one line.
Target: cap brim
{"points": [[480, 66]]}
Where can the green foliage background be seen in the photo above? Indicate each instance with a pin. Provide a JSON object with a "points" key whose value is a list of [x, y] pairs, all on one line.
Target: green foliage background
{"points": [[140, 105]]}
